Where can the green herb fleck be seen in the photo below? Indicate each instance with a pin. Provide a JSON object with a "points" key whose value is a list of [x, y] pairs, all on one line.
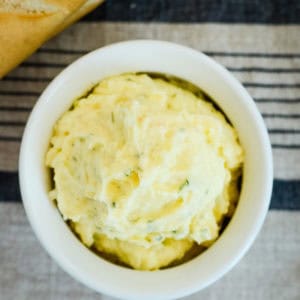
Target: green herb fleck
{"points": [[184, 184], [174, 231], [112, 117], [128, 173], [113, 204]]}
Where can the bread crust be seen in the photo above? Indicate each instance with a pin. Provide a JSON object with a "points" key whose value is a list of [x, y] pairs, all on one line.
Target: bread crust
{"points": [[21, 33]]}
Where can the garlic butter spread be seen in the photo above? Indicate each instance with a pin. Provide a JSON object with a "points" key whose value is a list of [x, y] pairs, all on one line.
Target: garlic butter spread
{"points": [[144, 170]]}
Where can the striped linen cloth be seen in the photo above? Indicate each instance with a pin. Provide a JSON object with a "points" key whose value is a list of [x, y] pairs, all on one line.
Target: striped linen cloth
{"points": [[259, 42]]}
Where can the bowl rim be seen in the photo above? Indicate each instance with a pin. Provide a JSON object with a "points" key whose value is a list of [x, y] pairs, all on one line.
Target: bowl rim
{"points": [[257, 224]]}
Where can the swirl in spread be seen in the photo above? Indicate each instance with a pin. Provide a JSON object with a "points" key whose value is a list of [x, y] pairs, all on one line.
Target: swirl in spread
{"points": [[144, 170]]}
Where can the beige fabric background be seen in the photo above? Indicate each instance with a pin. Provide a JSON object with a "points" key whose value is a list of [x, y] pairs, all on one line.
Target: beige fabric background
{"points": [[271, 269]]}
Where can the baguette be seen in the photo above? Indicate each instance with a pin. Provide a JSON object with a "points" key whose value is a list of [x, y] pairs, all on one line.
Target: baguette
{"points": [[26, 25]]}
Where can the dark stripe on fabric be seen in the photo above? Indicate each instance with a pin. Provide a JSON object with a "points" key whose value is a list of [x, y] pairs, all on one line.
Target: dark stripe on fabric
{"points": [[281, 116], [20, 93], [63, 51], [12, 123], [263, 70], [271, 131], [282, 146], [278, 100], [10, 138], [253, 54], [284, 131], [246, 84], [210, 53], [286, 193], [32, 79], [193, 11], [43, 65], [271, 85], [15, 108], [231, 69], [260, 100], [274, 146]]}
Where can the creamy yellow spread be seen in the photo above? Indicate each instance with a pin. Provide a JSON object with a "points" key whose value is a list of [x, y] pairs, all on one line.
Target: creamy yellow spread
{"points": [[144, 169]]}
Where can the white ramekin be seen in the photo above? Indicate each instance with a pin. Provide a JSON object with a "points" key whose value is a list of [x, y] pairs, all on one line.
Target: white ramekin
{"points": [[54, 234]]}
